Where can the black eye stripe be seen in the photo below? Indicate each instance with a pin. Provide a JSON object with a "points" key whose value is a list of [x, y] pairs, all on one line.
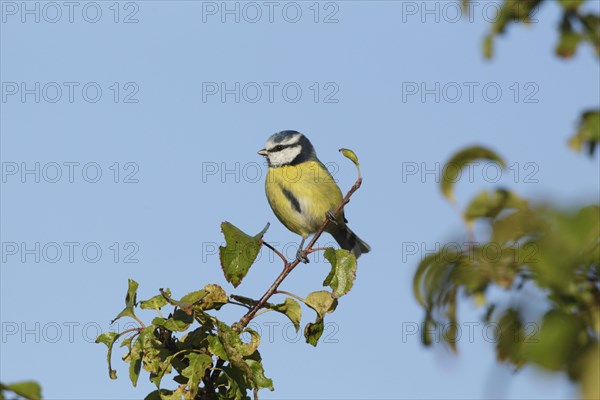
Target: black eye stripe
{"points": [[281, 147]]}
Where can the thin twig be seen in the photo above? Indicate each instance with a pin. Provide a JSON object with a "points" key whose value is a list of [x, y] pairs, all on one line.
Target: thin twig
{"points": [[316, 249], [285, 261], [238, 304], [289, 294]]}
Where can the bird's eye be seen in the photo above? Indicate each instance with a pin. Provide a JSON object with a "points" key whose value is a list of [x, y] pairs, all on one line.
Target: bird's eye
{"points": [[278, 148]]}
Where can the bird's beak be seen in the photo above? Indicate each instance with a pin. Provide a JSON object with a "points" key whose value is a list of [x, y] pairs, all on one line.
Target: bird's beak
{"points": [[263, 152]]}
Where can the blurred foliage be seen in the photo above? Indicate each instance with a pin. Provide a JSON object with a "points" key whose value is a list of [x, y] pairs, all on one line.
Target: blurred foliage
{"points": [[576, 26], [21, 391], [530, 252], [545, 260], [207, 357]]}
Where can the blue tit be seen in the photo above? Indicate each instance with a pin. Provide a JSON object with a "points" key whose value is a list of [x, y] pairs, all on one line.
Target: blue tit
{"points": [[302, 192]]}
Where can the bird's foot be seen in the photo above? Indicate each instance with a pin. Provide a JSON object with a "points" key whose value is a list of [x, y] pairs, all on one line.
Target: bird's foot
{"points": [[301, 256], [331, 217]]}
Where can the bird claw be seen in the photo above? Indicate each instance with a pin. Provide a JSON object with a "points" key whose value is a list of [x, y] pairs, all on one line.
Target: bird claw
{"points": [[331, 217], [301, 256]]}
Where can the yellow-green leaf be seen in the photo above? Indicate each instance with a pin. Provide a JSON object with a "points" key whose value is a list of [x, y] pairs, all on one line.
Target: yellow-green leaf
{"points": [[343, 271], [489, 205], [239, 253], [291, 309], [28, 390], [156, 302], [187, 302], [259, 380], [198, 363], [164, 394], [567, 44], [590, 384], [322, 302], [178, 322], [571, 4], [135, 362], [350, 155], [559, 337], [588, 132], [453, 168], [130, 300], [214, 299], [313, 331], [109, 339], [488, 46]]}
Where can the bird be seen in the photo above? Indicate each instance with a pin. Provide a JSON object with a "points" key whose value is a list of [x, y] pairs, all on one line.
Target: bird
{"points": [[302, 193]]}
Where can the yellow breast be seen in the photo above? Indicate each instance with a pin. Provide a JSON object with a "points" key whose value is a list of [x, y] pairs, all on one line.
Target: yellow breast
{"points": [[300, 195]]}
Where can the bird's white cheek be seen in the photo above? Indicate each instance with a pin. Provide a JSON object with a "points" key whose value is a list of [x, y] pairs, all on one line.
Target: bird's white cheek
{"points": [[285, 156]]}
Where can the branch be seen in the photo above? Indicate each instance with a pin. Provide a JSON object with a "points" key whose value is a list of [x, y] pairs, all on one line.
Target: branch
{"points": [[285, 261]]}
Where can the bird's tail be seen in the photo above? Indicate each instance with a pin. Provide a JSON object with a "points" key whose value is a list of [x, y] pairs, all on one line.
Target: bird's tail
{"points": [[349, 241]]}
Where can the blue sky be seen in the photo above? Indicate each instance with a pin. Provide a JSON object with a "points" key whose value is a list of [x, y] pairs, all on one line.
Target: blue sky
{"points": [[138, 97]]}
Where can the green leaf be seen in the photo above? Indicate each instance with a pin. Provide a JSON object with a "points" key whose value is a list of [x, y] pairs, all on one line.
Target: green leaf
{"points": [[109, 339], [343, 271], [235, 383], [216, 347], [488, 46], [489, 205], [512, 336], [187, 302], [251, 347], [422, 269], [135, 362], [350, 155], [215, 297], [130, 300], [240, 252], [313, 331], [259, 380], [588, 132], [178, 322], [232, 344], [156, 302], [127, 342], [567, 44], [156, 358], [291, 309], [590, 384], [558, 339], [571, 4], [29, 390], [198, 363], [322, 302], [191, 298], [453, 168], [591, 22], [428, 327], [242, 357], [164, 394], [234, 349]]}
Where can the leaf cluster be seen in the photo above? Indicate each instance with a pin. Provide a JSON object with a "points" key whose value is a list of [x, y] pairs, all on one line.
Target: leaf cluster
{"points": [[539, 251]]}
